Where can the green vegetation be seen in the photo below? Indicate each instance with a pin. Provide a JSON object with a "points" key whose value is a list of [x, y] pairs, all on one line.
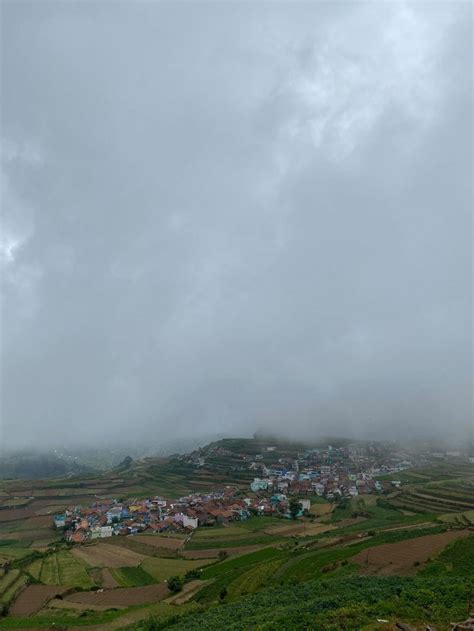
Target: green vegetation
{"points": [[457, 559], [348, 603], [132, 577], [247, 540], [307, 581], [175, 583], [160, 568], [60, 568]]}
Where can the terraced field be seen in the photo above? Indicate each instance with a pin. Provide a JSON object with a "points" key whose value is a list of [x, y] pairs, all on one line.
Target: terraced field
{"points": [[235, 562], [61, 568], [450, 494]]}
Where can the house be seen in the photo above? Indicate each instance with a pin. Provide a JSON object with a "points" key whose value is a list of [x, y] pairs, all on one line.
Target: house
{"points": [[106, 531], [60, 521], [190, 522], [258, 485], [77, 537], [305, 504], [114, 514]]}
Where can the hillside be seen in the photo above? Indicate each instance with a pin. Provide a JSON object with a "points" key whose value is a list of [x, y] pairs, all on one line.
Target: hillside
{"points": [[401, 553]]}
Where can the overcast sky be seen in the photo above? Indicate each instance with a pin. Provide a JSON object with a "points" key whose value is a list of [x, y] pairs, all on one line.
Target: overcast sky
{"points": [[224, 216]]}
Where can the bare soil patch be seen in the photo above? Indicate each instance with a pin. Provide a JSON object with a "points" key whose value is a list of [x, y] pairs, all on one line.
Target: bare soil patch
{"points": [[42, 521], [56, 603], [298, 529], [33, 598], [103, 555], [400, 557], [14, 514], [123, 596]]}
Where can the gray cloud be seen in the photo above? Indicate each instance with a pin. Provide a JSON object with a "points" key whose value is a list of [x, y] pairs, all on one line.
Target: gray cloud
{"points": [[218, 217]]}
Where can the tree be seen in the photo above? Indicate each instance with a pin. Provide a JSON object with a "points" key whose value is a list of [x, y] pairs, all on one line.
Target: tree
{"points": [[223, 593], [294, 507], [175, 583], [222, 555]]}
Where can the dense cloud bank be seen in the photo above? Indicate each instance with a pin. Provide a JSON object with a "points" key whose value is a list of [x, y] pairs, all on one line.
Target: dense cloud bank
{"points": [[219, 217]]}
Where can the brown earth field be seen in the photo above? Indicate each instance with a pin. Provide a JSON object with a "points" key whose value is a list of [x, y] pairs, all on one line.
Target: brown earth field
{"points": [[42, 521], [123, 596], [33, 598], [299, 529], [104, 555], [400, 557], [160, 542], [15, 514]]}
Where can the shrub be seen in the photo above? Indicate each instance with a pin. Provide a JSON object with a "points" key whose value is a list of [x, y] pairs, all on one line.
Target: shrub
{"points": [[175, 583]]}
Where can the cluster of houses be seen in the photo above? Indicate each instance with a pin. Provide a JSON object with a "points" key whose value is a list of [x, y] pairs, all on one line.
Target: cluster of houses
{"points": [[331, 473], [112, 517]]}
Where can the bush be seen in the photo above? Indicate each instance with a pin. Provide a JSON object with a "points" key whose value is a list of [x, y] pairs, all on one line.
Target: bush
{"points": [[192, 574], [175, 583]]}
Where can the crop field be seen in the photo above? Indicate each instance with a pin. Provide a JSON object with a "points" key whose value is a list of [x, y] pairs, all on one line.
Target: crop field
{"points": [[160, 542], [446, 488], [401, 557], [247, 539], [124, 596], [132, 577], [61, 568], [162, 569], [254, 578], [220, 533], [33, 598], [304, 529], [214, 553], [10, 584], [104, 555]]}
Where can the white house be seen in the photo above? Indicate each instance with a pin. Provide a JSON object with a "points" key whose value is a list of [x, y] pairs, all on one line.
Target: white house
{"points": [[190, 522]]}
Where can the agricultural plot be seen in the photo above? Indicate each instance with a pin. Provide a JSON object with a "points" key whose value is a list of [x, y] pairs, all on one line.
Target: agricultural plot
{"points": [[124, 596], [253, 579], [456, 559], [162, 569], [219, 533], [33, 598], [132, 577], [10, 584], [61, 568], [214, 553], [401, 557], [247, 539], [160, 542], [299, 529], [103, 555]]}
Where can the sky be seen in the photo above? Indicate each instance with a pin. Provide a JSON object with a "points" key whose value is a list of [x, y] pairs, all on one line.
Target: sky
{"points": [[224, 217]]}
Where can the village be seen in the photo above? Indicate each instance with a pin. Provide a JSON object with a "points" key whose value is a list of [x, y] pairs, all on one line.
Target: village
{"points": [[284, 488]]}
